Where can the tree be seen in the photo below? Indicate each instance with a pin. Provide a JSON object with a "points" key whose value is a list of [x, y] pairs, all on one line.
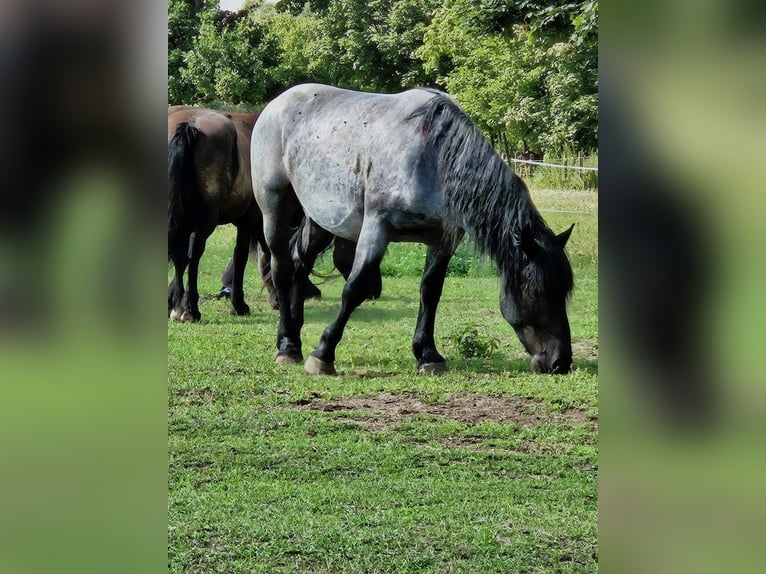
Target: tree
{"points": [[305, 49], [524, 70], [183, 20], [231, 60]]}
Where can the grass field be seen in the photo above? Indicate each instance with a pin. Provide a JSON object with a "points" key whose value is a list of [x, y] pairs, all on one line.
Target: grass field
{"points": [[489, 468]]}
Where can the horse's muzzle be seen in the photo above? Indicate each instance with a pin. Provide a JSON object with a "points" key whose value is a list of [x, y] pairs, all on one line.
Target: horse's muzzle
{"points": [[559, 365]]}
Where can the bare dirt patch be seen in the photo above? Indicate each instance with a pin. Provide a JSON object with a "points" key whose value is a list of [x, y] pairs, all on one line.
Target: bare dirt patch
{"points": [[382, 411], [195, 397]]}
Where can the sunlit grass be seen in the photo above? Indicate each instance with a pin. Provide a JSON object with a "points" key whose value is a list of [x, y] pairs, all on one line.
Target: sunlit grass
{"points": [[264, 478]]}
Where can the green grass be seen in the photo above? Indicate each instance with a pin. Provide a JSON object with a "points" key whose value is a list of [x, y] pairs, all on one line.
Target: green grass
{"points": [[271, 470]]}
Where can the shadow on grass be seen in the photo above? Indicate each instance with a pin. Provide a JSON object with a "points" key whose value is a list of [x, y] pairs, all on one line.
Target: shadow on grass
{"points": [[362, 314], [489, 366], [499, 365], [586, 365]]}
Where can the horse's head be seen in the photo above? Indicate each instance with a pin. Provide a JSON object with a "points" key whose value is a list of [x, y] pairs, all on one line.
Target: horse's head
{"points": [[536, 307]]}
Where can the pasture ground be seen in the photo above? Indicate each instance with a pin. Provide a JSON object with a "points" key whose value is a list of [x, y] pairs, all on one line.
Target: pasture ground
{"points": [[489, 468]]}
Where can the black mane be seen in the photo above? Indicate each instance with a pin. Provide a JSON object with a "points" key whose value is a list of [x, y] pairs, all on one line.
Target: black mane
{"points": [[486, 198]]}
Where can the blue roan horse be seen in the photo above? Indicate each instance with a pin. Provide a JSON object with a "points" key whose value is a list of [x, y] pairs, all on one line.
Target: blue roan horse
{"points": [[376, 168]]}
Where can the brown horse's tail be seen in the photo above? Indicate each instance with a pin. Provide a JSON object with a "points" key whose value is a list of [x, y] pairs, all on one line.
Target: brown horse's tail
{"points": [[184, 195]]}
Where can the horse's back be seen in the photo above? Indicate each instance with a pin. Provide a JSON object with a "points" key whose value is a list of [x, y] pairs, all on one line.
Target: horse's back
{"points": [[347, 153], [214, 152]]}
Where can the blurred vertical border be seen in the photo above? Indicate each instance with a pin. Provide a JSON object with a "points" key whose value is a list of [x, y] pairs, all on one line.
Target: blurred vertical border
{"points": [[82, 327], [83, 331], [681, 143]]}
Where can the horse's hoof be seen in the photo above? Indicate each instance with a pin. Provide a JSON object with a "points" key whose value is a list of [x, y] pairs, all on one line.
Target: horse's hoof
{"points": [[289, 358], [432, 369], [182, 316], [244, 310], [316, 366]]}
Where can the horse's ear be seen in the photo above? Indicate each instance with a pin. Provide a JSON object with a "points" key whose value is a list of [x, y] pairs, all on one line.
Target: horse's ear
{"points": [[563, 237]]}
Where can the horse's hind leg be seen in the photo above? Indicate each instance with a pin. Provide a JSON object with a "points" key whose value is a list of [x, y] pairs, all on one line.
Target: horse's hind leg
{"points": [[176, 290], [309, 241], [264, 268], [423, 344], [196, 249], [369, 252], [241, 253], [227, 278], [282, 206], [343, 259]]}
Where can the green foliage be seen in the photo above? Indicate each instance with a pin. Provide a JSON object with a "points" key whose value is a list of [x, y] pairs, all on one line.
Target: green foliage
{"points": [[230, 60], [182, 28], [403, 260], [526, 72], [374, 43], [398, 38], [471, 343], [305, 49], [459, 265]]}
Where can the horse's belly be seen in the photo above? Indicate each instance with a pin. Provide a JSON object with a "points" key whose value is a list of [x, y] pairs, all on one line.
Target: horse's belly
{"points": [[238, 202], [341, 212], [339, 220]]}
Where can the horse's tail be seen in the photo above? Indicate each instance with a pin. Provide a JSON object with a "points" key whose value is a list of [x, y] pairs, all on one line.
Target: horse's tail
{"points": [[184, 194]]}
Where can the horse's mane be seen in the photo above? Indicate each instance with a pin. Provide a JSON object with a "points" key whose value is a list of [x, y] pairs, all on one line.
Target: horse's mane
{"points": [[486, 198]]}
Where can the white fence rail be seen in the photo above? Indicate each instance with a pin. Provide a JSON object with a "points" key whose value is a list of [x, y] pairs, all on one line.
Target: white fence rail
{"points": [[558, 165]]}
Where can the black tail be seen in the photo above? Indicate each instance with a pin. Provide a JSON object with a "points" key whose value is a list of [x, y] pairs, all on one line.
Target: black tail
{"points": [[184, 196]]}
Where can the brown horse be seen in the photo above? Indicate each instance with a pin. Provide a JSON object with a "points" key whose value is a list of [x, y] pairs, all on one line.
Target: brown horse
{"points": [[209, 184]]}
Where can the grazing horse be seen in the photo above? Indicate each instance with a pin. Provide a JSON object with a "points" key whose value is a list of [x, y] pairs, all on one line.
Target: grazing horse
{"points": [[376, 168], [209, 184]]}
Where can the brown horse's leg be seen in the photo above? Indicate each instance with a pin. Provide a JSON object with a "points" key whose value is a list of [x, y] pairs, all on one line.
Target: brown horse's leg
{"points": [[227, 278], [176, 289], [263, 255], [241, 252], [264, 268], [196, 249]]}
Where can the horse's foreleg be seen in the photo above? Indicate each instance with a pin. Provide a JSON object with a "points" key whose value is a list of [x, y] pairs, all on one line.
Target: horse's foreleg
{"points": [[369, 252], [423, 343], [343, 259], [309, 242], [241, 252]]}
